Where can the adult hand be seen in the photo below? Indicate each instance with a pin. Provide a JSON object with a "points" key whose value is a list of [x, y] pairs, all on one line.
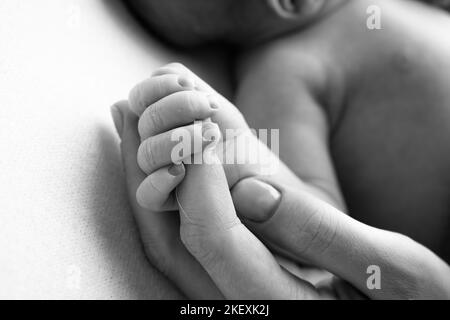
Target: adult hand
{"points": [[153, 190], [159, 231], [305, 227], [216, 256]]}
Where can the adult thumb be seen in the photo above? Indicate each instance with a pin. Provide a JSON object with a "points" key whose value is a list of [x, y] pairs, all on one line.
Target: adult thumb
{"points": [[293, 222], [203, 197]]}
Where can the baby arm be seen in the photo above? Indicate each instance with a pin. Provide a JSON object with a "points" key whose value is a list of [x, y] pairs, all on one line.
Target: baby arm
{"points": [[280, 87]]}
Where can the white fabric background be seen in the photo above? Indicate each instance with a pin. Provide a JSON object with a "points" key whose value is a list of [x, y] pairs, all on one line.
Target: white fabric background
{"points": [[66, 230]]}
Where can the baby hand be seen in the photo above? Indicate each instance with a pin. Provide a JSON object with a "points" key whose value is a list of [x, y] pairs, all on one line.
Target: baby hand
{"points": [[174, 103]]}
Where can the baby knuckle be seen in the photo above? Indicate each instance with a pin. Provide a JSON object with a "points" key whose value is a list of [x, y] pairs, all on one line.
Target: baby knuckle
{"points": [[150, 154], [166, 84], [141, 161], [148, 122], [176, 66], [155, 119], [142, 128], [192, 101], [159, 86], [146, 156], [182, 101], [135, 97]]}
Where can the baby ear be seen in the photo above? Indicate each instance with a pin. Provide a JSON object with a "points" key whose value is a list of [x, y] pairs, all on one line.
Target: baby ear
{"points": [[296, 9]]}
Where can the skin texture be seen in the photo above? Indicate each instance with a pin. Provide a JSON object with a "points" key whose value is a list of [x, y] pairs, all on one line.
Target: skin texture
{"points": [[236, 264], [243, 23], [380, 108], [173, 107], [379, 89]]}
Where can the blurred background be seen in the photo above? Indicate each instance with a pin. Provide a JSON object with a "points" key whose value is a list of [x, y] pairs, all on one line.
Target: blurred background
{"points": [[66, 230]]}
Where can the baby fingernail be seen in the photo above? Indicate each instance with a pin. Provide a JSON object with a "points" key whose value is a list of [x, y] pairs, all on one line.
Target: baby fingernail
{"points": [[117, 119], [210, 132], [185, 82], [176, 170]]}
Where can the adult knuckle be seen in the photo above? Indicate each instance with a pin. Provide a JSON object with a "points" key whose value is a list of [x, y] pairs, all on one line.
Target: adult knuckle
{"points": [[308, 235]]}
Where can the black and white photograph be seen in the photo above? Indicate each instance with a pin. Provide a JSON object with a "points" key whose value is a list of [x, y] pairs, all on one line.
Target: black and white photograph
{"points": [[210, 150]]}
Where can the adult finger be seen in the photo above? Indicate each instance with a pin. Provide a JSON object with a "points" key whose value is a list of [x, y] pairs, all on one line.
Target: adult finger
{"points": [[239, 264], [159, 231]]}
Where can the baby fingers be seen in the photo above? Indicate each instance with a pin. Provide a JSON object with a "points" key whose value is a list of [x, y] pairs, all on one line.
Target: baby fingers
{"points": [[155, 192], [176, 68], [155, 88], [175, 145], [175, 110], [165, 81]]}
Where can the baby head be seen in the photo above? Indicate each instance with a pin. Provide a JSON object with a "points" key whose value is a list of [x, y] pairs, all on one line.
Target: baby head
{"points": [[242, 22]]}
